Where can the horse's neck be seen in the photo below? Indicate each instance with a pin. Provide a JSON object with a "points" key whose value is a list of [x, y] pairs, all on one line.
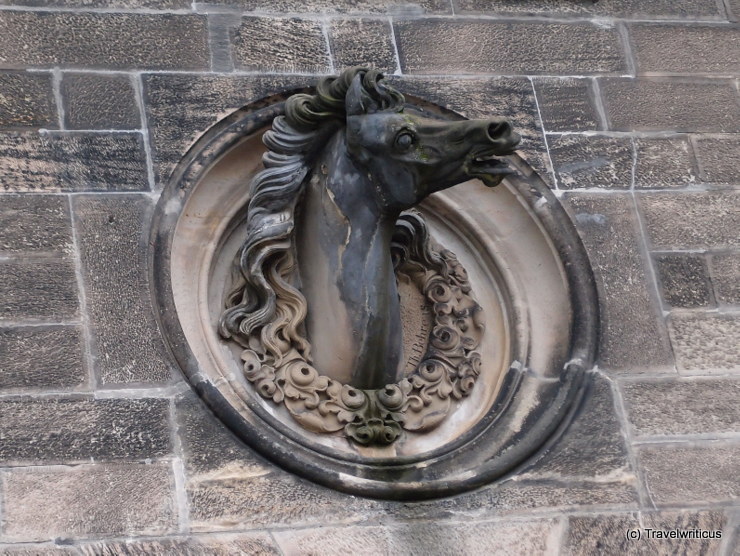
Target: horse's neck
{"points": [[343, 249]]}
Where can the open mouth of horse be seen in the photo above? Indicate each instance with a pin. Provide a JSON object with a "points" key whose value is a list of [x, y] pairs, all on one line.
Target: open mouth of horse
{"points": [[487, 167]]}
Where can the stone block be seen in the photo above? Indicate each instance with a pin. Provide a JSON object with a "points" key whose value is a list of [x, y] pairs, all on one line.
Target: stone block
{"points": [[112, 4], [664, 162], [708, 220], [684, 280], [48, 162], [28, 549], [252, 544], [719, 158], [35, 225], [591, 162], [682, 474], [69, 430], [362, 42], [658, 9], [682, 406], [41, 358], [280, 45], [107, 40], [682, 49], [343, 7], [439, 46], [725, 271], [27, 100], [95, 101], [180, 108], [37, 290], [567, 104], [88, 500], [706, 342], [633, 336], [472, 538], [113, 240], [607, 534], [670, 105]]}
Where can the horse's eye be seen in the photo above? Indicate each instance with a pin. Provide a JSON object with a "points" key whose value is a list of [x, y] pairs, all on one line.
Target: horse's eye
{"points": [[404, 140]]}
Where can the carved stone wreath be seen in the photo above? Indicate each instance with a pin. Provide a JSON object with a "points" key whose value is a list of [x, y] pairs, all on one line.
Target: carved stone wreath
{"points": [[418, 402]]}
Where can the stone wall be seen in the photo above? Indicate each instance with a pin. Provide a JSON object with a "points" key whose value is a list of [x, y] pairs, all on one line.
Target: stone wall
{"points": [[629, 108]]}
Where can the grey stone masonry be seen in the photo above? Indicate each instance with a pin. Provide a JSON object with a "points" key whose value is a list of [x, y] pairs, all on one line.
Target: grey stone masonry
{"points": [[628, 109]]}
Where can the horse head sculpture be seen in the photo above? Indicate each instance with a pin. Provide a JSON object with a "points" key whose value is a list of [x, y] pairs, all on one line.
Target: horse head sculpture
{"points": [[315, 302]]}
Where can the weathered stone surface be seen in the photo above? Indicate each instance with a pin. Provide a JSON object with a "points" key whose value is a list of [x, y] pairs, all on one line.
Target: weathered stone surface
{"points": [[719, 158], [686, 49], [41, 290], [88, 500], [473, 538], [663, 162], [94, 101], [26, 100], [632, 333], [362, 42], [591, 162], [567, 104], [252, 544], [70, 430], [47, 358], [72, 162], [32, 225], [333, 6], [686, 473], [112, 235], [705, 342], [684, 280], [670, 105], [607, 534], [280, 45], [108, 40], [619, 8], [436, 46], [708, 220], [725, 271], [47, 549], [125, 4], [182, 107], [682, 406]]}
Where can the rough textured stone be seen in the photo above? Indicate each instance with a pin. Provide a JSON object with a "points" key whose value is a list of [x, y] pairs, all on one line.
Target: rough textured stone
{"points": [[75, 430], [182, 107], [705, 342], [683, 406], [72, 162], [473, 538], [670, 105], [618, 8], [34, 225], [88, 500], [684, 280], [252, 544], [663, 162], [47, 358], [457, 47], [719, 158], [686, 473], [40, 290], [125, 4], [567, 104], [708, 220], [112, 234], [94, 101], [342, 6], [280, 45], [26, 99], [607, 534], [362, 42], [25, 549], [686, 49], [108, 40], [591, 162], [725, 270], [632, 333]]}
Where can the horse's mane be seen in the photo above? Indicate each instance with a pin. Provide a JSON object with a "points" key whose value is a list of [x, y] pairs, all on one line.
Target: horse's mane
{"points": [[263, 301]]}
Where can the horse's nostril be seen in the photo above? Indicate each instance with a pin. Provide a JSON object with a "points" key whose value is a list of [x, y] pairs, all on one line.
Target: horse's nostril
{"points": [[498, 130]]}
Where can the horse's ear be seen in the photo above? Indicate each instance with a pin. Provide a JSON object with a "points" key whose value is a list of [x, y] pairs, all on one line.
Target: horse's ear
{"points": [[353, 101]]}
